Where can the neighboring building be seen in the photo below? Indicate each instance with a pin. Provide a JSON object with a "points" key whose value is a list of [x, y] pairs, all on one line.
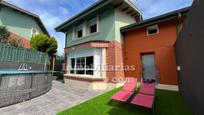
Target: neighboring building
{"points": [[150, 45], [21, 23], [93, 39], [189, 56]]}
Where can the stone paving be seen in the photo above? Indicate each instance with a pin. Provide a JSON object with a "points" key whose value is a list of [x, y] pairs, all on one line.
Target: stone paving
{"points": [[57, 99]]}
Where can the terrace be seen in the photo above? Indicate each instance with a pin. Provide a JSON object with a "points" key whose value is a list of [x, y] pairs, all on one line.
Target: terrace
{"points": [[29, 89], [62, 100], [57, 99], [167, 103]]}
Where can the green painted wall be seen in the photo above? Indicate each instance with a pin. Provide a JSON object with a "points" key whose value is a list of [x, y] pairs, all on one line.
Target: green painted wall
{"points": [[110, 22], [106, 30], [18, 23]]}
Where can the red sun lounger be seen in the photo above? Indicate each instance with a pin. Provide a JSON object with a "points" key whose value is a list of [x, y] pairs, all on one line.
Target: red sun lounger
{"points": [[127, 91], [143, 100], [147, 88], [146, 95]]}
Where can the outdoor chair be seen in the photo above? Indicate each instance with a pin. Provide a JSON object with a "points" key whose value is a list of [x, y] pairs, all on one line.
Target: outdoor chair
{"points": [[146, 96], [147, 88], [127, 91]]}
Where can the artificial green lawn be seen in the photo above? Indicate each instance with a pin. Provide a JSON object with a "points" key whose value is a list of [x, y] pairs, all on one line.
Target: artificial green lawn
{"points": [[167, 103]]}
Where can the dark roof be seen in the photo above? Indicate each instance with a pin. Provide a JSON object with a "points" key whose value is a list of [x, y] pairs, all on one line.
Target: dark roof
{"points": [[158, 19], [36, 17], [99, 4]]}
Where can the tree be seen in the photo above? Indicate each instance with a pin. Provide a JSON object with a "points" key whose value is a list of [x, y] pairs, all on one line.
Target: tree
{"points": [[52, 49], [7, 39], [44, 43], [15, 42], [4, 34]]}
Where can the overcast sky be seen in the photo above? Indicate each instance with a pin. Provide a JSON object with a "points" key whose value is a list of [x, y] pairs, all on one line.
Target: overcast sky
{"points": [[54, 12]]}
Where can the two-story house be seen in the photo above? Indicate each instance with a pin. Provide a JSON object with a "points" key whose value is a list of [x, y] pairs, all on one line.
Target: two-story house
{"points": [[21, 23], [93, 52], [109, 41]]}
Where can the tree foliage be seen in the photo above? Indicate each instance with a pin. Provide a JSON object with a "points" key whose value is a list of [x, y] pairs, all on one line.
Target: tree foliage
{"points": [[7, 39], [44, 43], [4, 34], [15, 42]]}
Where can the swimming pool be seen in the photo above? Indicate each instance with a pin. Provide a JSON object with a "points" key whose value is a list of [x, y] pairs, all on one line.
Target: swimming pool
{"points": [[17, 86], [21, 72]]}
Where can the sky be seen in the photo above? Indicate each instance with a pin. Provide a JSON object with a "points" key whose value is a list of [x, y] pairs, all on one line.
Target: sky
{"points": [[55, 12]]}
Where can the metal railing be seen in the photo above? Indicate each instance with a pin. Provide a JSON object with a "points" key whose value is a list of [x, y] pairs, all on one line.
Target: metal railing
{"points": [[22, 55]]}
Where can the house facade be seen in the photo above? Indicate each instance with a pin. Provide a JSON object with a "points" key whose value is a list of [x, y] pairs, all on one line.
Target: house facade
{"points": [[150, 46], [107, 42], [21, 23], [94, 41]]}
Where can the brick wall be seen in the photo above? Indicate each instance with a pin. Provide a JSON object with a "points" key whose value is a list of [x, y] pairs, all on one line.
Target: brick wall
{"points": [[92, 44], [114, 57], [24, 41]]}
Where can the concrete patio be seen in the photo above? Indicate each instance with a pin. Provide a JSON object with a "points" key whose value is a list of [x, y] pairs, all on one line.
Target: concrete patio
{"points": [[57, 99]]}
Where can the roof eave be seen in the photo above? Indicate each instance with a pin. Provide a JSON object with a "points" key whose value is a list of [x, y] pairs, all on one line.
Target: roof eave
{"points": [[27, 13], [61, 27], [155, 20], [18, 8], [133, 6]]}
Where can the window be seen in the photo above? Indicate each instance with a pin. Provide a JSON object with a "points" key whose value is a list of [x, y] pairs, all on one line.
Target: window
{"points": [[79, 31], [82, 65], [92, 26], [89, 65], [153, 30], [34, 32], [87, 28], [72, 66]]}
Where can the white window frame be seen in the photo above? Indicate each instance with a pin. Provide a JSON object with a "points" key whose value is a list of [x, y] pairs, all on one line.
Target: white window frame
{"points": [[85, 29], [97, 26], [85, 67], [153, 27], [34, 32], [76, 31], [97, 63]]}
